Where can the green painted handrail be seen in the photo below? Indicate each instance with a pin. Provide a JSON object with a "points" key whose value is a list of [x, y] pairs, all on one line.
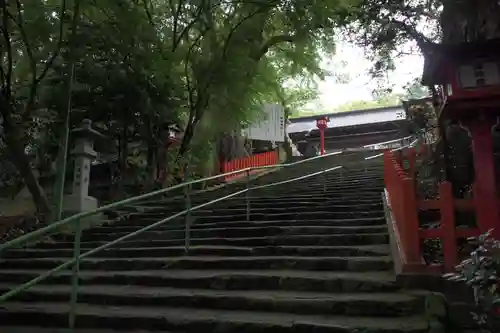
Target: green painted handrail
{"points": [[54, 226], [73, 220]]}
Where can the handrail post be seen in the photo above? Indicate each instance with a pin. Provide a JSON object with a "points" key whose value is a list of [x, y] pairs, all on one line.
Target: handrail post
{"points": [[187, 218], [247, 194], [77, 229]]}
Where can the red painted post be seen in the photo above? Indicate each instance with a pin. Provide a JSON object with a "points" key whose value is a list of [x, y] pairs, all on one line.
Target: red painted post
{"points": [[322, 140], [448, 228], [398, 201], [412, 225], [485, 192]]}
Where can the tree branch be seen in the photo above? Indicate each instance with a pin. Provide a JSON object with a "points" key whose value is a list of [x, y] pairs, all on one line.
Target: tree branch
{"points": [[275, 40], [51, 60], [7, 84], [422, 41], [36, 79], [20, 24], [177, 39]]}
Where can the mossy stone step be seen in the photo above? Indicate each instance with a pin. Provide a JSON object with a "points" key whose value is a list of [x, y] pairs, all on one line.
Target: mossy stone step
{"points": [[165, 252], [350, 239], [354, 264], [356, 304], [202, 320], [292, 280], [256, 231], [137, 221]]}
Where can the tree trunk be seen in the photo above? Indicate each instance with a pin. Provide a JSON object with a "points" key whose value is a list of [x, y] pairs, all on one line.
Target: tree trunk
{"points": [[122, 162], [151, 164], [186, 139], [21, 160]]}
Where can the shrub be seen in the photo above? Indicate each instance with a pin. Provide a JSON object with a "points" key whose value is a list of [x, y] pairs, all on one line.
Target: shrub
{"points": [[480, 271]]}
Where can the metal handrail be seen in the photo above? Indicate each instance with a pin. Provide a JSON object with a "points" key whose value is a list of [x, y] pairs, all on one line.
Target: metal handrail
{"points": [[77, 255], [46, 230]]}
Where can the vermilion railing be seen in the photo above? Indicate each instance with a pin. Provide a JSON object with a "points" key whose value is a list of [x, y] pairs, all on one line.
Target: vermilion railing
{"points": [[257, 160], [405, 205]]}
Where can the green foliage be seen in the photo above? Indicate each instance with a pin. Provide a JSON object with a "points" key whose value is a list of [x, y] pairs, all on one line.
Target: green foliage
{"points": [[481, 272], [389, 29], [141, 65]]}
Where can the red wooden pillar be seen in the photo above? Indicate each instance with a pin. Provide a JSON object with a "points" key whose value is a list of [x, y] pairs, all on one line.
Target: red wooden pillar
{"points": [[410, 220], [485, 192], [322, 140], [448, 227]]}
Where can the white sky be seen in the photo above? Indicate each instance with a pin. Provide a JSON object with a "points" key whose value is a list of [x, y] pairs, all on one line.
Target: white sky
{"points": [[361, 85]]}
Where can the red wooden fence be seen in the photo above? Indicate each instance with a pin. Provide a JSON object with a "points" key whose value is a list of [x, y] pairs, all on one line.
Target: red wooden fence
{"points": [[257, 160], [404, 204]]}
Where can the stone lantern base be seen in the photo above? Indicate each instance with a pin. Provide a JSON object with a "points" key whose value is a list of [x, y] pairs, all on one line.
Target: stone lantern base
{"points": [[74, 204]]}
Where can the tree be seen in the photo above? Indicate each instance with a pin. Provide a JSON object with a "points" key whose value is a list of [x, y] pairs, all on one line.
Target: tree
{"points": [[391, 28], [31, 43], [207, 65]]}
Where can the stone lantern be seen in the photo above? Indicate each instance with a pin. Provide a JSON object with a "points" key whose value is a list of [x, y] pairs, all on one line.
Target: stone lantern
{"points": [[83, 152]]}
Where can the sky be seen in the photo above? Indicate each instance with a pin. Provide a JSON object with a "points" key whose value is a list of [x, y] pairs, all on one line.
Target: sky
{"points": [[361, 85]]}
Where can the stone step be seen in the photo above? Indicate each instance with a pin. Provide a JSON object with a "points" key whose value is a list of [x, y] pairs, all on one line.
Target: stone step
{"points": [[356, 304], [135, 221], [311, 211], [316, 182], [368, 186], [328, 189], [164, 252], [276, 207], [320, 196], [320, 181], [98, 234], [201, 320], [270, 200], [351, 264], [337, 197], [350, 239], [332, 187], [260, 216], [344, 178], [27, 329], [200, 222], [316, 281]]}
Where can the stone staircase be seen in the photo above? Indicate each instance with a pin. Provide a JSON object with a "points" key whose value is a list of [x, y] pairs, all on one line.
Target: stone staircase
{"points": [[312, 258]]}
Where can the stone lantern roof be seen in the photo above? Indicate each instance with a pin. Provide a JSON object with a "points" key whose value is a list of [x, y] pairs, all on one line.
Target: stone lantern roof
{"points": [[86, 131]]}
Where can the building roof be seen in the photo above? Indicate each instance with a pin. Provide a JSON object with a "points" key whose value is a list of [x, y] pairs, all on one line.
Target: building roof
{"points": [[344, 119]]}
